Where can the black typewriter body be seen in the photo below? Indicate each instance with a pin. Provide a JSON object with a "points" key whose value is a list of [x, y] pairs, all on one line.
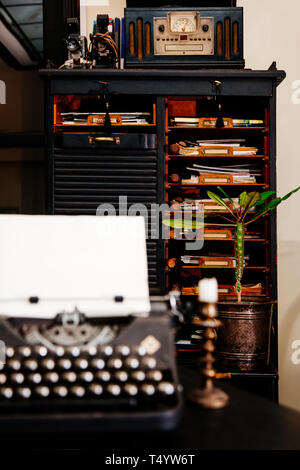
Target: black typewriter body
{"points": [[74, 374]]}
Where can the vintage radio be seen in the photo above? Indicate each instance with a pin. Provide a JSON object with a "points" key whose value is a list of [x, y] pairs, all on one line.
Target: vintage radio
{"points": [[197, 37]]}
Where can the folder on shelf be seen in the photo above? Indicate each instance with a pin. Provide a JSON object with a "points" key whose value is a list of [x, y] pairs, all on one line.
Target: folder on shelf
{"points": [[216, 179], [255, 290], [99, 119], [211, 122], [212, 261], [218, 234], [250, 289]]}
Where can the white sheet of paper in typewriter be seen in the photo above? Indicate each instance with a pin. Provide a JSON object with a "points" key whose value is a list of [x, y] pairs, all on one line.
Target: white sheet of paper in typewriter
{"points": [[73, 262]]}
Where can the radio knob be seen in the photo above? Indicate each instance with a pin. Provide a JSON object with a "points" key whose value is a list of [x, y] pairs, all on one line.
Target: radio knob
{"points": [[161, 28], [205, 28]]}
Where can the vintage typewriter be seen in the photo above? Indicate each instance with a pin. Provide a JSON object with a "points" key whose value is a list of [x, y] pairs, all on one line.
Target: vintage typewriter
{"points": [[81, 340]]}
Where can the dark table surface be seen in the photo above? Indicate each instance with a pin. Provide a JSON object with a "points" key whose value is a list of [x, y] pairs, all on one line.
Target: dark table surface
{"points": [[249, 422]]}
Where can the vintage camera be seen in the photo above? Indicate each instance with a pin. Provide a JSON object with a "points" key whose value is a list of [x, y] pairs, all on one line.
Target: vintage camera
{"points": [[75, 44], [104, 51]]}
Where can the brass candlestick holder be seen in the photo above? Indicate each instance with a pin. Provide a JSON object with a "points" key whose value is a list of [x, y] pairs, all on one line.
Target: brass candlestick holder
{"points": [[207, 395]]}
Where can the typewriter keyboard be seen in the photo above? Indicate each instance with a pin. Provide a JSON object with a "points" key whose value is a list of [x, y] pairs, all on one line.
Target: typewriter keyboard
{"points": [[118, 377]]}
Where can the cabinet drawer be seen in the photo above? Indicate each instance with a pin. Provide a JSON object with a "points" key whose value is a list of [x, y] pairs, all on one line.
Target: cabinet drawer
{"points": [[101, 141]]}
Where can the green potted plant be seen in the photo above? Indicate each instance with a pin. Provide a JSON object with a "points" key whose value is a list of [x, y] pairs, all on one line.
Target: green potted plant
{"points": [[244, 337]]}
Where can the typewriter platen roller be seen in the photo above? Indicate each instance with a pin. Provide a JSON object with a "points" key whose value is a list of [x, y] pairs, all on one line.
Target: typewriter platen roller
{"points": [[87, 371]]}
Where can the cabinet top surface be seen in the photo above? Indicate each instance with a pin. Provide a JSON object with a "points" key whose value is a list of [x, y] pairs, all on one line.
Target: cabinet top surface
{"points": [[277, 75]]}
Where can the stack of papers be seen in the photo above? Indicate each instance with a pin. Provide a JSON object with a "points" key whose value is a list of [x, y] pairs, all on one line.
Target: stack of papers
{"points": [[194, 260], [240, 174], [207, 205], [78, 118], [235, 147]]}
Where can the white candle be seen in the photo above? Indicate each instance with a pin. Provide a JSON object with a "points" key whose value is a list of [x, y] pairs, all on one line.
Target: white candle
{"points": [[208, 290]]}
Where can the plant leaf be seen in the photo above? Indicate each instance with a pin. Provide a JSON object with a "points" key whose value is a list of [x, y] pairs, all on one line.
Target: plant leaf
{"points": [[271, 205], [250, 201], [218, 200], [185, 224], [264, 196], [284, 198], [242, 198], [226, 195]]}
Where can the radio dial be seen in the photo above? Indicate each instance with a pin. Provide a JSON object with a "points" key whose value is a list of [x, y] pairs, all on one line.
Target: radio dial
{"points": [[205, 28], [161, 28]]}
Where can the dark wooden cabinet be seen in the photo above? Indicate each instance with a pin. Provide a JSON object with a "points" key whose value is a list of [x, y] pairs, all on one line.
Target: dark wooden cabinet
{"points": [[84, 170]]}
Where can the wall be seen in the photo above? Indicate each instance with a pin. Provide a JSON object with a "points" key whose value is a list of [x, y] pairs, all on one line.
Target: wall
{"points": [[21, 170], [91, 8], [272, 33]]}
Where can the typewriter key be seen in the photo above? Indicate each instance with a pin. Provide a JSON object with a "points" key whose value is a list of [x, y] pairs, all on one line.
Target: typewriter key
{"points": [[81, 363], [92, 351], [131, 389], [31, 364], [43, 391], [115, 363], [14, 364], [18, 378], [121, 375], [35, 378], [52, 377], [65, 363], [75, 352], [3, 379], [41, 351], [61, 391], [69, 376], [141, 350], [25, 351], [59, 351], [155, 375], [132, 362], [108, 350], [48, 364], [148, 389], [138, 375], [123, 350], [78, 391], [149, 362], [96, 389], [98, 364], [167, 388], [114, 389], [10, 352], [103, 375], [24, 392], [7, 392], [86, 376]]}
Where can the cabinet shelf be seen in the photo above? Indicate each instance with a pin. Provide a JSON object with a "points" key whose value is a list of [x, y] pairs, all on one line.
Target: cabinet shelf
{"points": [[218, 129], [263, 157], [174, 185], [78, 127], [258, 268], [252, 240]]}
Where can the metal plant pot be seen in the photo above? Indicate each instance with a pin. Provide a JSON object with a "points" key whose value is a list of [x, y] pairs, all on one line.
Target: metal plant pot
{"points": [[243, 339]]}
